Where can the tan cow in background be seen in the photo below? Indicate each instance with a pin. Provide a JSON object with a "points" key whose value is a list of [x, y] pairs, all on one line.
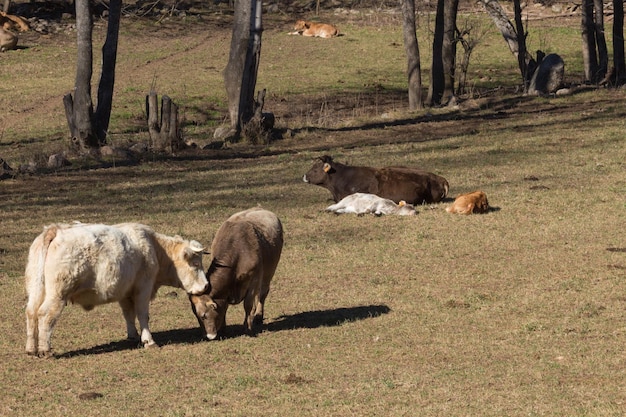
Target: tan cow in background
{"points": [[8, 40], [313, 29], [9, 24]]}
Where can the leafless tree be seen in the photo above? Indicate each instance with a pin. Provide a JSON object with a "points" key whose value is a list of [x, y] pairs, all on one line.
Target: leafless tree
{"points": [[241, 71], [88, 129], [441, 88], [595, 54], [411, 46]]}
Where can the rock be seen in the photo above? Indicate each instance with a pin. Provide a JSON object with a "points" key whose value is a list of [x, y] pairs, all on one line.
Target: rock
{"points": [[548, 76], [57, 160], [113, 151], [6, 171]]}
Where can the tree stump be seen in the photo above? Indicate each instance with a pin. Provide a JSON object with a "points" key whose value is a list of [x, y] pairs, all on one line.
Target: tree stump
{"points": [[165, 134], [258, 130]]}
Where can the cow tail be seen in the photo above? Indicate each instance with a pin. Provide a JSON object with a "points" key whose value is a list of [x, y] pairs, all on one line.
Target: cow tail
{"points": [[35, 285]]}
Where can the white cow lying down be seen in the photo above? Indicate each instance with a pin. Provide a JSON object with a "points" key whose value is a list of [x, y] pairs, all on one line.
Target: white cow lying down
{"points": [[93, 264], [363, 203]]}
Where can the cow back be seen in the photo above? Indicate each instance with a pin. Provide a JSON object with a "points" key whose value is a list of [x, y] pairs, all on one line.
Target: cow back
{"points": [[247, 247]]}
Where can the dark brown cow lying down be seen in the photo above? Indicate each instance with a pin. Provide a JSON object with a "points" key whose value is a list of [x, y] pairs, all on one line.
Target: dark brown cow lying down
{"points": [[414, 186], [245, 251]]}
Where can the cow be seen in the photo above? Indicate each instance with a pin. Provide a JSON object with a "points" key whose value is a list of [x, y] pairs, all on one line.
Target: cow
{"points": [[245, 253], [474, 202], [414, 186], [313, 29], [363, 203], [8, 40], [94, 264]]}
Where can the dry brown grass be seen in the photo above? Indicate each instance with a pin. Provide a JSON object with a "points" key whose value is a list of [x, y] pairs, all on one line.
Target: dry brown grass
{"points": [[516, 312]]}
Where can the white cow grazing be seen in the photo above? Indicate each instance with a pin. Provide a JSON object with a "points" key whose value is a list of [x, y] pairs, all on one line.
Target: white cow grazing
{"points": [[363, 203], [93, 264]]}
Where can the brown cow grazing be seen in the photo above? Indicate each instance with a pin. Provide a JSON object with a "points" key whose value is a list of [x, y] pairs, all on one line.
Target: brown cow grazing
{"points": [[94, 264], [474, 202], [246, 251], [414, 186]]}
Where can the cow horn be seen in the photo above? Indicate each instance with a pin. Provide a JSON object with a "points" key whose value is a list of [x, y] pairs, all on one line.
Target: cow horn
{"points": [[196, 246], [326, 167], [402, 203]]}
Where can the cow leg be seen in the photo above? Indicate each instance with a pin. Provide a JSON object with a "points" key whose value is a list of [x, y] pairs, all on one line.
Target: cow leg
{"points": [[259, 311], [34, 302], [142, 304], [250, 304], [48, 314], [128, 310]]}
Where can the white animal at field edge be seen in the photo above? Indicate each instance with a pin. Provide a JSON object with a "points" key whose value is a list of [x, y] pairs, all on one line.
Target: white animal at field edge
{"points": [[364, 203]]}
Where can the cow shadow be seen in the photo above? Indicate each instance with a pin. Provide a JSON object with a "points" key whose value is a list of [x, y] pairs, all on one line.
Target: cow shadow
{"points": [[310, 320], [167, 337], [304, 320]]}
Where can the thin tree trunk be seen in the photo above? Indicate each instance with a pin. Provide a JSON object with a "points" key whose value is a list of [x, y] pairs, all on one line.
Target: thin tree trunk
{"points": [[603, 54], [81, 105], [521, 46], [102, 114], [448, 48], [411, 46], [435, 90], [590, 59], [619, 61], [506, 28]]}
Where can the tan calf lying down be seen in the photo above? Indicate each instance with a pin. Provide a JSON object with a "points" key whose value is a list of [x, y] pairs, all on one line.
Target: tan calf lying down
{"points": [[475, 202], [11, 22], [8, 40], [313, 29]]}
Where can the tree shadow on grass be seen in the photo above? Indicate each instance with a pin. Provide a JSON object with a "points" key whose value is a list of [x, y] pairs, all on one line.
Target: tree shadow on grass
{"points": [[304, 320]]}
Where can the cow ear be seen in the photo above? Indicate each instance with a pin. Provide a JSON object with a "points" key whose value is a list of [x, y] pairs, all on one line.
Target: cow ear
{"points": [[402, 203], [327, 167]]}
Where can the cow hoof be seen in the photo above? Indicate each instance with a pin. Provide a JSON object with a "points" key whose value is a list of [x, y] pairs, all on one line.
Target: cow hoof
{"points": [[44, 354], [150, 345], [31, 352]]}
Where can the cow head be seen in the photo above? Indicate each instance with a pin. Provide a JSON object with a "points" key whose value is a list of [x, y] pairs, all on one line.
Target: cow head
{"points": [[188, 264], [405, 209], [211, 314], [319, 172]]}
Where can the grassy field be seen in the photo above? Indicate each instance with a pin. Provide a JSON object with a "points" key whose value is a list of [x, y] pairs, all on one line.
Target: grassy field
{"points": [[519, 312]]}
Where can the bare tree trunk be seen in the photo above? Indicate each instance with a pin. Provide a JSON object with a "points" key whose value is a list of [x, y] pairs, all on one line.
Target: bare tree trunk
{"points": [[102, 115], [505, 26], [603, 54], [590, 59], [241, 72], [411, 46], [78, 106], [619, 62], [449, 48], [435, 89], [526, 72]]}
